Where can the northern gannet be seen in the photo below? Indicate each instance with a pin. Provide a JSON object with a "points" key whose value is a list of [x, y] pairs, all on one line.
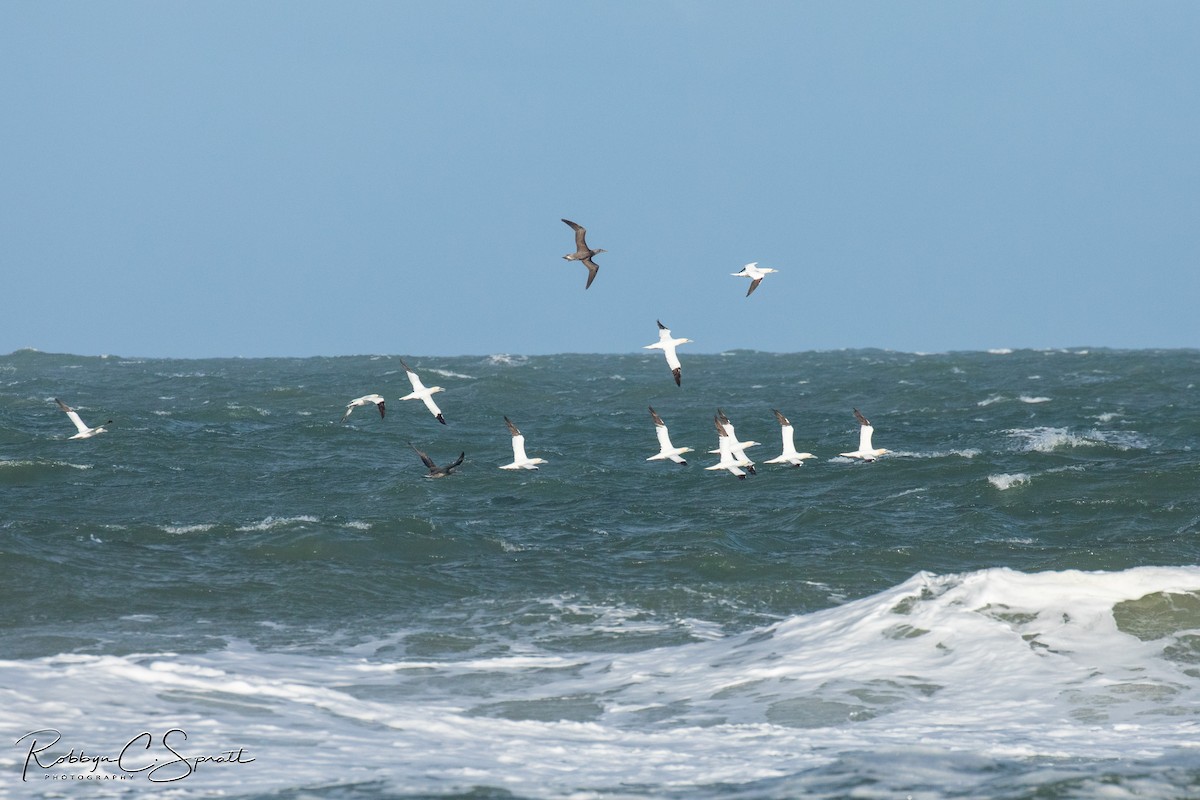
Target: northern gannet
{"points": [[728, 460], [789, 454], [84, 431], [583, 252], [421, 392], [865, 451], [365, 400], [755, 273], [665, 448], [738, 448], [668, 344], [434, 470], [520, 460]]}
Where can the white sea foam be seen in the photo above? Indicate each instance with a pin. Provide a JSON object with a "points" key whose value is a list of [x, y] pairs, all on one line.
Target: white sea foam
{"points": [[1045, 440], [276, 522], [183, 529], [996, 398], [1033, 400], [968, 452], [445, 373], [506, 359], [1001, 351], [949, 672], [29, 463], [1006, 481]]}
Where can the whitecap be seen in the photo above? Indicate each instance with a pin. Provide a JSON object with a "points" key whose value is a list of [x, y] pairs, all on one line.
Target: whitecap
{"points": [[1007, 481], [445, 373], [276, 522], [507, 360], [182, 529], [1000, 351], [1070, 668], [1045, 440], [968, 452], [29, 463], [1033, 400]]}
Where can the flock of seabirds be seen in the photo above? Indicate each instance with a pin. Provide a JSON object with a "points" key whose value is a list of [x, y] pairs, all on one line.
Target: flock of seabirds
{"points": [[731, 451]]}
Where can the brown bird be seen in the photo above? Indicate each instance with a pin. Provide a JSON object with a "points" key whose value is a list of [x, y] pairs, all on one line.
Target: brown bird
{"points": [[583, 252], [434, 470]]}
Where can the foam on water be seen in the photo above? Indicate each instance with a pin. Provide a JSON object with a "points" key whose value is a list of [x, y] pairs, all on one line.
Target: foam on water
{"points": [[277, 522], [1067, 668], [1006, 481]]}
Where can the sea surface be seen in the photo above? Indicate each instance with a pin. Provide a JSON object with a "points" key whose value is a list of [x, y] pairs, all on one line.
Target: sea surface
{"points": [[233, 593]]}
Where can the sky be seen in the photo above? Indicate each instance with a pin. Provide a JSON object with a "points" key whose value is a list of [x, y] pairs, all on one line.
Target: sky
{"points": [[219, 179]]}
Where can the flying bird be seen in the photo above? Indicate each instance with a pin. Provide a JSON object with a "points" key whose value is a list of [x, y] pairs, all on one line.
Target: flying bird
{"points": [[434, 470], [520, 460], [84, 431], [865, 451], [365, 400], [728, 460], [668, 344], [755, 273], [583, 252], [665, 448], [421, 392], [789, 454], [738, 448]]}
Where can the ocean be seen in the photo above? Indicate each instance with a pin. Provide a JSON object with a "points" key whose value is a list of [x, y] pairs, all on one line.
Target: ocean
{"points": [[233, 593]]}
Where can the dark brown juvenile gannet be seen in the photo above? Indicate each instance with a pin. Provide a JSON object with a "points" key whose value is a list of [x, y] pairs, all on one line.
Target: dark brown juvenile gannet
{"points": [[434, 470], [583, 252]]}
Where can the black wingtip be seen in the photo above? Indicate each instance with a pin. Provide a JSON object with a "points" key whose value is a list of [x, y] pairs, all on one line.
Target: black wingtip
{"points": [[441, 419]]}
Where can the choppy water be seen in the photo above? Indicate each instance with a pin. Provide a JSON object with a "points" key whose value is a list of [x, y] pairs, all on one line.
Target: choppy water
{"points": [[1006, 606]]}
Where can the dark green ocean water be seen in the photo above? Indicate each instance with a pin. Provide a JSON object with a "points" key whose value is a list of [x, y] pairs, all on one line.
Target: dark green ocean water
{"points": [[1006, 605]]}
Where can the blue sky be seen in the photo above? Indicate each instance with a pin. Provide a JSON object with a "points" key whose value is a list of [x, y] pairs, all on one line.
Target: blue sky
{"points": [[196, 179]]}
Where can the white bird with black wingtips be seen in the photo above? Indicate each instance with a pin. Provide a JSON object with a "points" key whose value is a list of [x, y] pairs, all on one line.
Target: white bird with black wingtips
{"points": [[865, 450], [365, 400], [667, 344], [789, 454], [665, 448], [422, 392], [728, 460], [738, 448], [520, 459], [755, 273], [85, 431]]}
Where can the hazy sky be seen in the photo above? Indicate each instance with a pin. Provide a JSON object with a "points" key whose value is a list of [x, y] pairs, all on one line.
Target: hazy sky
{"points": [[330, 178]]}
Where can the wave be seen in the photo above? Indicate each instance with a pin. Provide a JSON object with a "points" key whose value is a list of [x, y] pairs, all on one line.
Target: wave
{"points": [[270, 523], [1006, 481], [1073, 667]]}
